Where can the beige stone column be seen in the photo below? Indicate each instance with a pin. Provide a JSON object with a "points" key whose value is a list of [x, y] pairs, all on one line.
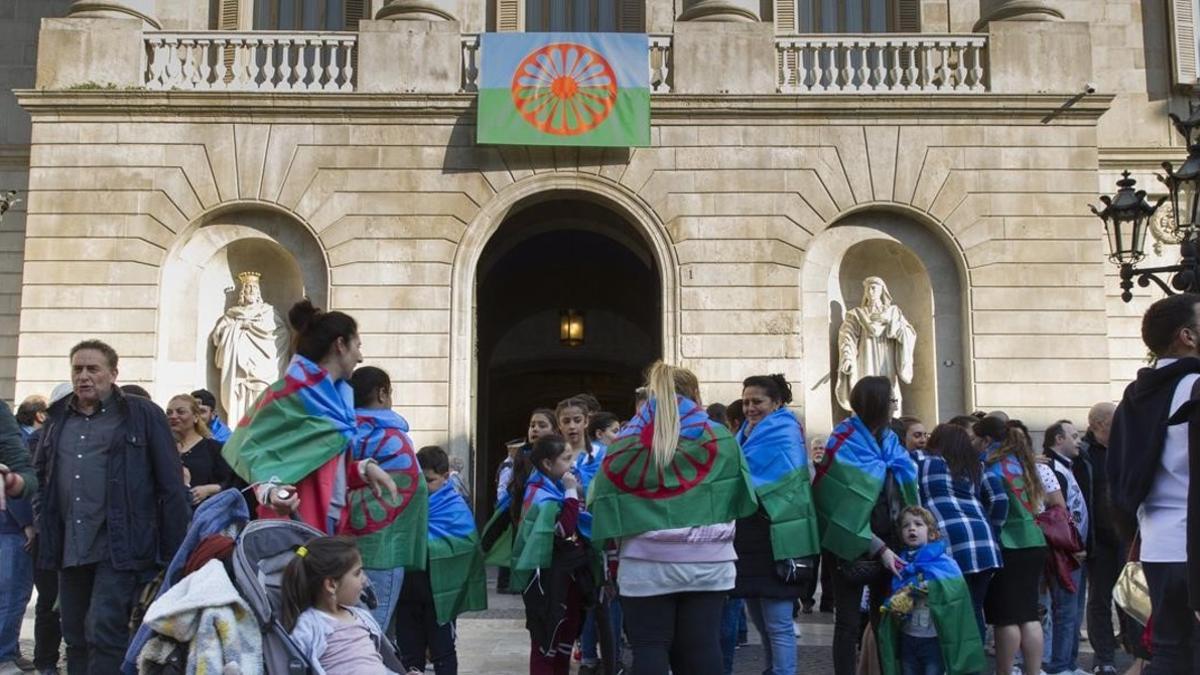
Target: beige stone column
{"points": [[415, 10], [93, 52], [115, 9], [1017, 10], [720, 10]]}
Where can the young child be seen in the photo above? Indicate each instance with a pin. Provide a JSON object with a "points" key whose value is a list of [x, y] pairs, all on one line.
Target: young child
{"points": [[552, 550], [454, 581], [321, 588], [930, 606]]}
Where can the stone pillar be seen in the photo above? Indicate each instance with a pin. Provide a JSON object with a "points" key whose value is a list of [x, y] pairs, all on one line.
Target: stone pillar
{"points": [[142, 10], [1042, 57], [403, 56], [745, 11], [1017, 10], [94, 52], [416, 10]]}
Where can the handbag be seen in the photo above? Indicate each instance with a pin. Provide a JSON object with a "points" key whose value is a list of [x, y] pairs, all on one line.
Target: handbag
{"points": [[1061, 535], [862, 570], [1131, 593], [795, 570]]}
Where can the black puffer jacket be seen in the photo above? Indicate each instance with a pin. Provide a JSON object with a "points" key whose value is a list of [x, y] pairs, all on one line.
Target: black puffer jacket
{"points": [[756, 562]]}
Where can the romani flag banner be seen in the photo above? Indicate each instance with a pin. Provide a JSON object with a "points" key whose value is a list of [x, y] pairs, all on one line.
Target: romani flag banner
{"points": [[778, 461], [456, 573], [931, 573], [533, 547], [849, 481], [389, 533], [585, 89], [707, 481]]}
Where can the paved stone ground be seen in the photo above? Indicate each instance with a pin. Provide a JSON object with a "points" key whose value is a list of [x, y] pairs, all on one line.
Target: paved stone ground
{"points": [[494, 642]]}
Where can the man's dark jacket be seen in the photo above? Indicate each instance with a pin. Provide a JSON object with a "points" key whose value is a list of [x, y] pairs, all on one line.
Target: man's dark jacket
{"points": [[13, 452], [1135, 448], [147, 504], [1100, 512]]}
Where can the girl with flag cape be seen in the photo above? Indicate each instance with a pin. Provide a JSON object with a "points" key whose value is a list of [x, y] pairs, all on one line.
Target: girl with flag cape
{"points": [[1011, 604], [455, 580], [293, 445], [928, 622], [863, 482], [777, 545], [390, 534], [670, 488], [497, 534], [552, 558]]}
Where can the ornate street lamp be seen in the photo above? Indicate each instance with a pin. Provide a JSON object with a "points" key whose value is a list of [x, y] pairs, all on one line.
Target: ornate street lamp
{"points": [[1127, 216]]}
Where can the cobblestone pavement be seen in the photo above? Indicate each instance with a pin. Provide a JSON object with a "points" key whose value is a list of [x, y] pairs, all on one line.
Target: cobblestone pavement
{"points": [[495, 642]]}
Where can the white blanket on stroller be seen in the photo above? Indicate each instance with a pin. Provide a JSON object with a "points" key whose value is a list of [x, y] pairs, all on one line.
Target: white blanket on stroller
{"points": [[205, 611]]}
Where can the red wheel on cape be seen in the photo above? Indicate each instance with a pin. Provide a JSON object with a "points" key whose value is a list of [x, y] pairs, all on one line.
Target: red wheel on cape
{"points": [[630, 465], [564, 89]]}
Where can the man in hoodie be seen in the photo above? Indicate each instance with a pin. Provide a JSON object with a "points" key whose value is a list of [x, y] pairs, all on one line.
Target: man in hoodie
{"points": [[1155, 428]]}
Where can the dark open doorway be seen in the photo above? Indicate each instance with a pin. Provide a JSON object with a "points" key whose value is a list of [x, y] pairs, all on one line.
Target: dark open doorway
{"points": [[546, 258]]}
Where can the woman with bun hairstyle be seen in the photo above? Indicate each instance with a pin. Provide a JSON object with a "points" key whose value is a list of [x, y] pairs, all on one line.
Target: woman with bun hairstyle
{"points": [[669, 490], [778, 544], [293, 445]]}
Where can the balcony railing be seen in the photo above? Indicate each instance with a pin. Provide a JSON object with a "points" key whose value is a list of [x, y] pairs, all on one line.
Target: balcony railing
{"points": [[881, 63], [660, 63], [250, 61]]}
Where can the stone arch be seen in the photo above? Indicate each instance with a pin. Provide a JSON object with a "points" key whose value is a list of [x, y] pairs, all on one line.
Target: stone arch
{"points": [[519, 195], [198, 282], [926, 271]]}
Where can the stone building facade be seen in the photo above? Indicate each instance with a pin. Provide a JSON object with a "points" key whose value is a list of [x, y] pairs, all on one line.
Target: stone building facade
{"points": [[950, 147]]}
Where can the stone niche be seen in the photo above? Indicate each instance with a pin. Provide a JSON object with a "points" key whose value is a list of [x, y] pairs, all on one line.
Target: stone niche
{"points": [[925, 282], [200, 283]]}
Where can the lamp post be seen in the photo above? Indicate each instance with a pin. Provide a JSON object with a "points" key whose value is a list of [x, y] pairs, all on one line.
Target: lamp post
{"points": [[1127, 215]]}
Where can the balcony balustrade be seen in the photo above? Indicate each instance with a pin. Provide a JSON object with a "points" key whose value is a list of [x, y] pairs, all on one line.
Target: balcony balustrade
{"points": [[314, 62]]}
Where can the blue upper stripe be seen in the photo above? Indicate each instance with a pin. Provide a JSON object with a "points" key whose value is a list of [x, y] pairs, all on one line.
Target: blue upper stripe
{"points": [[627, 53]]}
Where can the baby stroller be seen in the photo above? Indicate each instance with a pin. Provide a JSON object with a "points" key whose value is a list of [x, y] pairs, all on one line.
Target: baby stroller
{"points": [[263, 549]]}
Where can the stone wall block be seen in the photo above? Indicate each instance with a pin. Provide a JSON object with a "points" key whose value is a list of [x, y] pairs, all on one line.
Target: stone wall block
{"points": [[717, 57], [79, 52], [409, 56], [1039, 57]]}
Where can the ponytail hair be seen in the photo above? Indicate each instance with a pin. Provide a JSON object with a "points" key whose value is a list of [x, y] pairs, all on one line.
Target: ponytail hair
{"points": [[775, 386], [1013, 443], [315, 331], [548, 447], [304, 577], [664, 382]]}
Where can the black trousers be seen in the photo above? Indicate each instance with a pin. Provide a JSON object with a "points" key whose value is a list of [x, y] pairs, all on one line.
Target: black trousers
{"points": [[417, 629], [679, 632], [1175, 636], [1104, 565], [96, 601], [47, 631], [847, 617]]}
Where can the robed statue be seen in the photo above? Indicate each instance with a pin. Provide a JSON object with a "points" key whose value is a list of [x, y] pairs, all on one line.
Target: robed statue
{"points": [[875, 339], [252, 348]]}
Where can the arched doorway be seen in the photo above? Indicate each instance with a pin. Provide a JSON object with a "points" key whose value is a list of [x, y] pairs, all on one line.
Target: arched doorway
{"points": [[546, 258]]}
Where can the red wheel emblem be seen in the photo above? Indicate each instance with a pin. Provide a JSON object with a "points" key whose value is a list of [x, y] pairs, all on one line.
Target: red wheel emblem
{"points": [[630, 465], [564, 89], [370, 514]]}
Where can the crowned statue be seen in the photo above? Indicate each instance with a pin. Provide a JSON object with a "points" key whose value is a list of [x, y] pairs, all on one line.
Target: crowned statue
{"points": [[252, 348], [875, 339]]}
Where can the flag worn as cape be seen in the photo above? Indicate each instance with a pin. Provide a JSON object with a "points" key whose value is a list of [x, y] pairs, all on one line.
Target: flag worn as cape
{"points": [[849, 480], [296, 433], [1019, 530], [707, 481], [586, 467], [533, 547], [456, 573], [778, 461], [497, 537], [389, 533], [934, 573]]}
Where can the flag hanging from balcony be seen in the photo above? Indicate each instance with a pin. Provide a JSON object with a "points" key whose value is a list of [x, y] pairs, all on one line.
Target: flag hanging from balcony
{"points": [[583, 89]]}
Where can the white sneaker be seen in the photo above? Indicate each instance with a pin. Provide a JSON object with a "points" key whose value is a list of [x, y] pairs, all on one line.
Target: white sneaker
{"points": [[796, 628]]}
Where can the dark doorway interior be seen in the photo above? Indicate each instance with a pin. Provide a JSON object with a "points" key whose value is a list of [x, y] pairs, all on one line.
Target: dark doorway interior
{"points": [[546, 258]]}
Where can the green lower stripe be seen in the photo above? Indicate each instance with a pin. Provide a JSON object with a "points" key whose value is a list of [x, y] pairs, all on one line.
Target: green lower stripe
{"points": [[844, 497], [627, 125], [788, 503]]}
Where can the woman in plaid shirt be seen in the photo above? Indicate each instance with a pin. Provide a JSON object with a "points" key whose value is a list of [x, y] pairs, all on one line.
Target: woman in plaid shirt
{"points": [[969, 504]]}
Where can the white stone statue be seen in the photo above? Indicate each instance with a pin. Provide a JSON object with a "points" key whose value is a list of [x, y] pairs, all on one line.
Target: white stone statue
{"points": [[252, 348], [875, 339]]}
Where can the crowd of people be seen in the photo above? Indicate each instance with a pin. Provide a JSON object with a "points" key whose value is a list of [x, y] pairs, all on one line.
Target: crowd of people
{"points": [[932, 544]]}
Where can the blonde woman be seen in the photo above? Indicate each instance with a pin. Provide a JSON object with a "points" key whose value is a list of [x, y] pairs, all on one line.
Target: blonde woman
{"points": [[204, 470], [669, 489]]}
